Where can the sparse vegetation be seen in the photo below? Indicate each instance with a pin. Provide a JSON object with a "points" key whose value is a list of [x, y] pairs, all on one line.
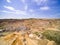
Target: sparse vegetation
{"points": [[52, 35]]}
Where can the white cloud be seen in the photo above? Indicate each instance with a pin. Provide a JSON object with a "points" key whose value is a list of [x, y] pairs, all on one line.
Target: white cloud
{"points": [[39, 2], [21, 12], [26, 7], [5, 11], [23, 1], [44, 8], [9, 7], [16, 12], [31, 10], [9, 1]]}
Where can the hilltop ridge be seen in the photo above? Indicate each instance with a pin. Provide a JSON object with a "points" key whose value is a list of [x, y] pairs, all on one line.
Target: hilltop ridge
{"points": [[29, 24]]}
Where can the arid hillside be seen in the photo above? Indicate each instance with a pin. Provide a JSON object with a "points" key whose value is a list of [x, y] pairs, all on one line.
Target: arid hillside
{"points": [[30, 31], [39, 24], [29, 24]]}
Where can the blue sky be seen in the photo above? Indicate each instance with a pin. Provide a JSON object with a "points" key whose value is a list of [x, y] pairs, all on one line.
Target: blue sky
{"points": [[18, 9]]}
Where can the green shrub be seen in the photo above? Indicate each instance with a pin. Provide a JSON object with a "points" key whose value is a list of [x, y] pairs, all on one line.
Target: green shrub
{"points": [[52, 35], [36, 33]]}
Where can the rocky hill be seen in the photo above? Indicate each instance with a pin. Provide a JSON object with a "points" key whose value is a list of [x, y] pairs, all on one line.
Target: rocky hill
{"points": [[29, 31], [29, 24]]}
